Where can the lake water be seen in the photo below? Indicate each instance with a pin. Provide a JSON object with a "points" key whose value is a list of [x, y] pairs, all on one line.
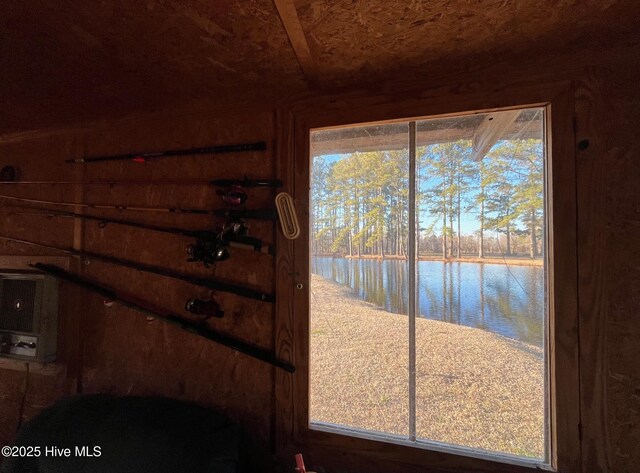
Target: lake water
{"points": [[504, 299]]}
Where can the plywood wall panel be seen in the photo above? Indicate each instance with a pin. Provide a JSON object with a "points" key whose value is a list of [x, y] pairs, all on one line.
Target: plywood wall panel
{"points": [[609, 264], [134, 355], [614, 420], [21, 393], [592, 269], [104, 61], [118, 350], [10, 397]]}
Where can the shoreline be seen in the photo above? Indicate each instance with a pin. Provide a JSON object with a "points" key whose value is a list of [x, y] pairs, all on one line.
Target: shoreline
{"points": [[486, 260]]}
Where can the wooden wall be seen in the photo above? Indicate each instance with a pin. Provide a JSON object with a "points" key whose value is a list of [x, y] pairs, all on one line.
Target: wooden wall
{"points": [[116, 350]]}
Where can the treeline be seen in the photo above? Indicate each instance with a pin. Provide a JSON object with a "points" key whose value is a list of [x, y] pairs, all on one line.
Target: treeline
{"points": [[360, 202]]}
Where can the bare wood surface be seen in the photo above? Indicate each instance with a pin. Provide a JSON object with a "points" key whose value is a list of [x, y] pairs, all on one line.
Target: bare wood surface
{"points": [[115, 349], [128, 354], [609, 268], [622, 286], [285, 319], [191, 52], [592, 270], [185, 52], [563, 342], [291, 22], [22, 392], [24, 262], [73, 322]]}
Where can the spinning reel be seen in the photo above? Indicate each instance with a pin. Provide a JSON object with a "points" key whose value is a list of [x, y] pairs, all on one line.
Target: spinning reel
{"points": [[213, 250], [209, 252]]}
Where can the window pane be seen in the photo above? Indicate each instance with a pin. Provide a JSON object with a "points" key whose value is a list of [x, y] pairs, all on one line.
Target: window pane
{"points": [[358, 339], [480, 279], [480, 359]]}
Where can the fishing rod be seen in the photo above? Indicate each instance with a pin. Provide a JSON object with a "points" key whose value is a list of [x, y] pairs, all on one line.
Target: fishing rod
{"points": [[214, 242], [258, 214], [133, 302], [11, 179], [233, 191], [145, 157], [246, 182], [208, 283]]}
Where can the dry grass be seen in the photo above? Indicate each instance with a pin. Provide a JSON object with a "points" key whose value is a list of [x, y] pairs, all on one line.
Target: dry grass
{"points": [[474, 388]]}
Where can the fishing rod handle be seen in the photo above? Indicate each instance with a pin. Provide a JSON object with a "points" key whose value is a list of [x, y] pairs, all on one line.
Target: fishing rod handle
{"points": [[266, 249]]}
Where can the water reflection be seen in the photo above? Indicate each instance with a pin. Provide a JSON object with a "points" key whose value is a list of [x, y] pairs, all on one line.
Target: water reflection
{"points": [[508, 300]]}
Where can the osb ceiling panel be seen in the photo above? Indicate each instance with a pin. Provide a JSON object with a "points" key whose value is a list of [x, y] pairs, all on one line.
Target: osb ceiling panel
{"points": [[75, 60], [369, 37], [72, 61]]}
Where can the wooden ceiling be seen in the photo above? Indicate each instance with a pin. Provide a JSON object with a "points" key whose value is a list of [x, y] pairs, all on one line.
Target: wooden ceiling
{"points": [[71, 61], [373, 38]]}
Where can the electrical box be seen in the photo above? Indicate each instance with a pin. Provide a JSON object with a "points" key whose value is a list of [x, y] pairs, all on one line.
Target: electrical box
{"points": [[28, 316]]}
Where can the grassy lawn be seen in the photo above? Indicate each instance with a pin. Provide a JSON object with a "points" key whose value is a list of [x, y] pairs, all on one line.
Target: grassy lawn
{"points": [[474, 388]]}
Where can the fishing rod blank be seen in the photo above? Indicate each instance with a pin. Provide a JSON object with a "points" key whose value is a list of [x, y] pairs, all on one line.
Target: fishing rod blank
{"points": [[138, 182], [257, 214], [247, 182], [144, 157], [208, 283], [144, 307], [227, 239]]}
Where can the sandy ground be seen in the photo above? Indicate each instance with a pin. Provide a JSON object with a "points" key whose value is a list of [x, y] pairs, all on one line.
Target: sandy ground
{"points": [[474, 388]]}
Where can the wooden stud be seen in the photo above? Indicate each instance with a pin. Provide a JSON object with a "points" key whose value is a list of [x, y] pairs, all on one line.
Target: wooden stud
{"points": [[289, 16]]}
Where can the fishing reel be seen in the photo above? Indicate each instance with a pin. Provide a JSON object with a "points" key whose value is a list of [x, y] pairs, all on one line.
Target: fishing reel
{"points": [[212, 250], [233, 228], [209, 252], [233, 195]]}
